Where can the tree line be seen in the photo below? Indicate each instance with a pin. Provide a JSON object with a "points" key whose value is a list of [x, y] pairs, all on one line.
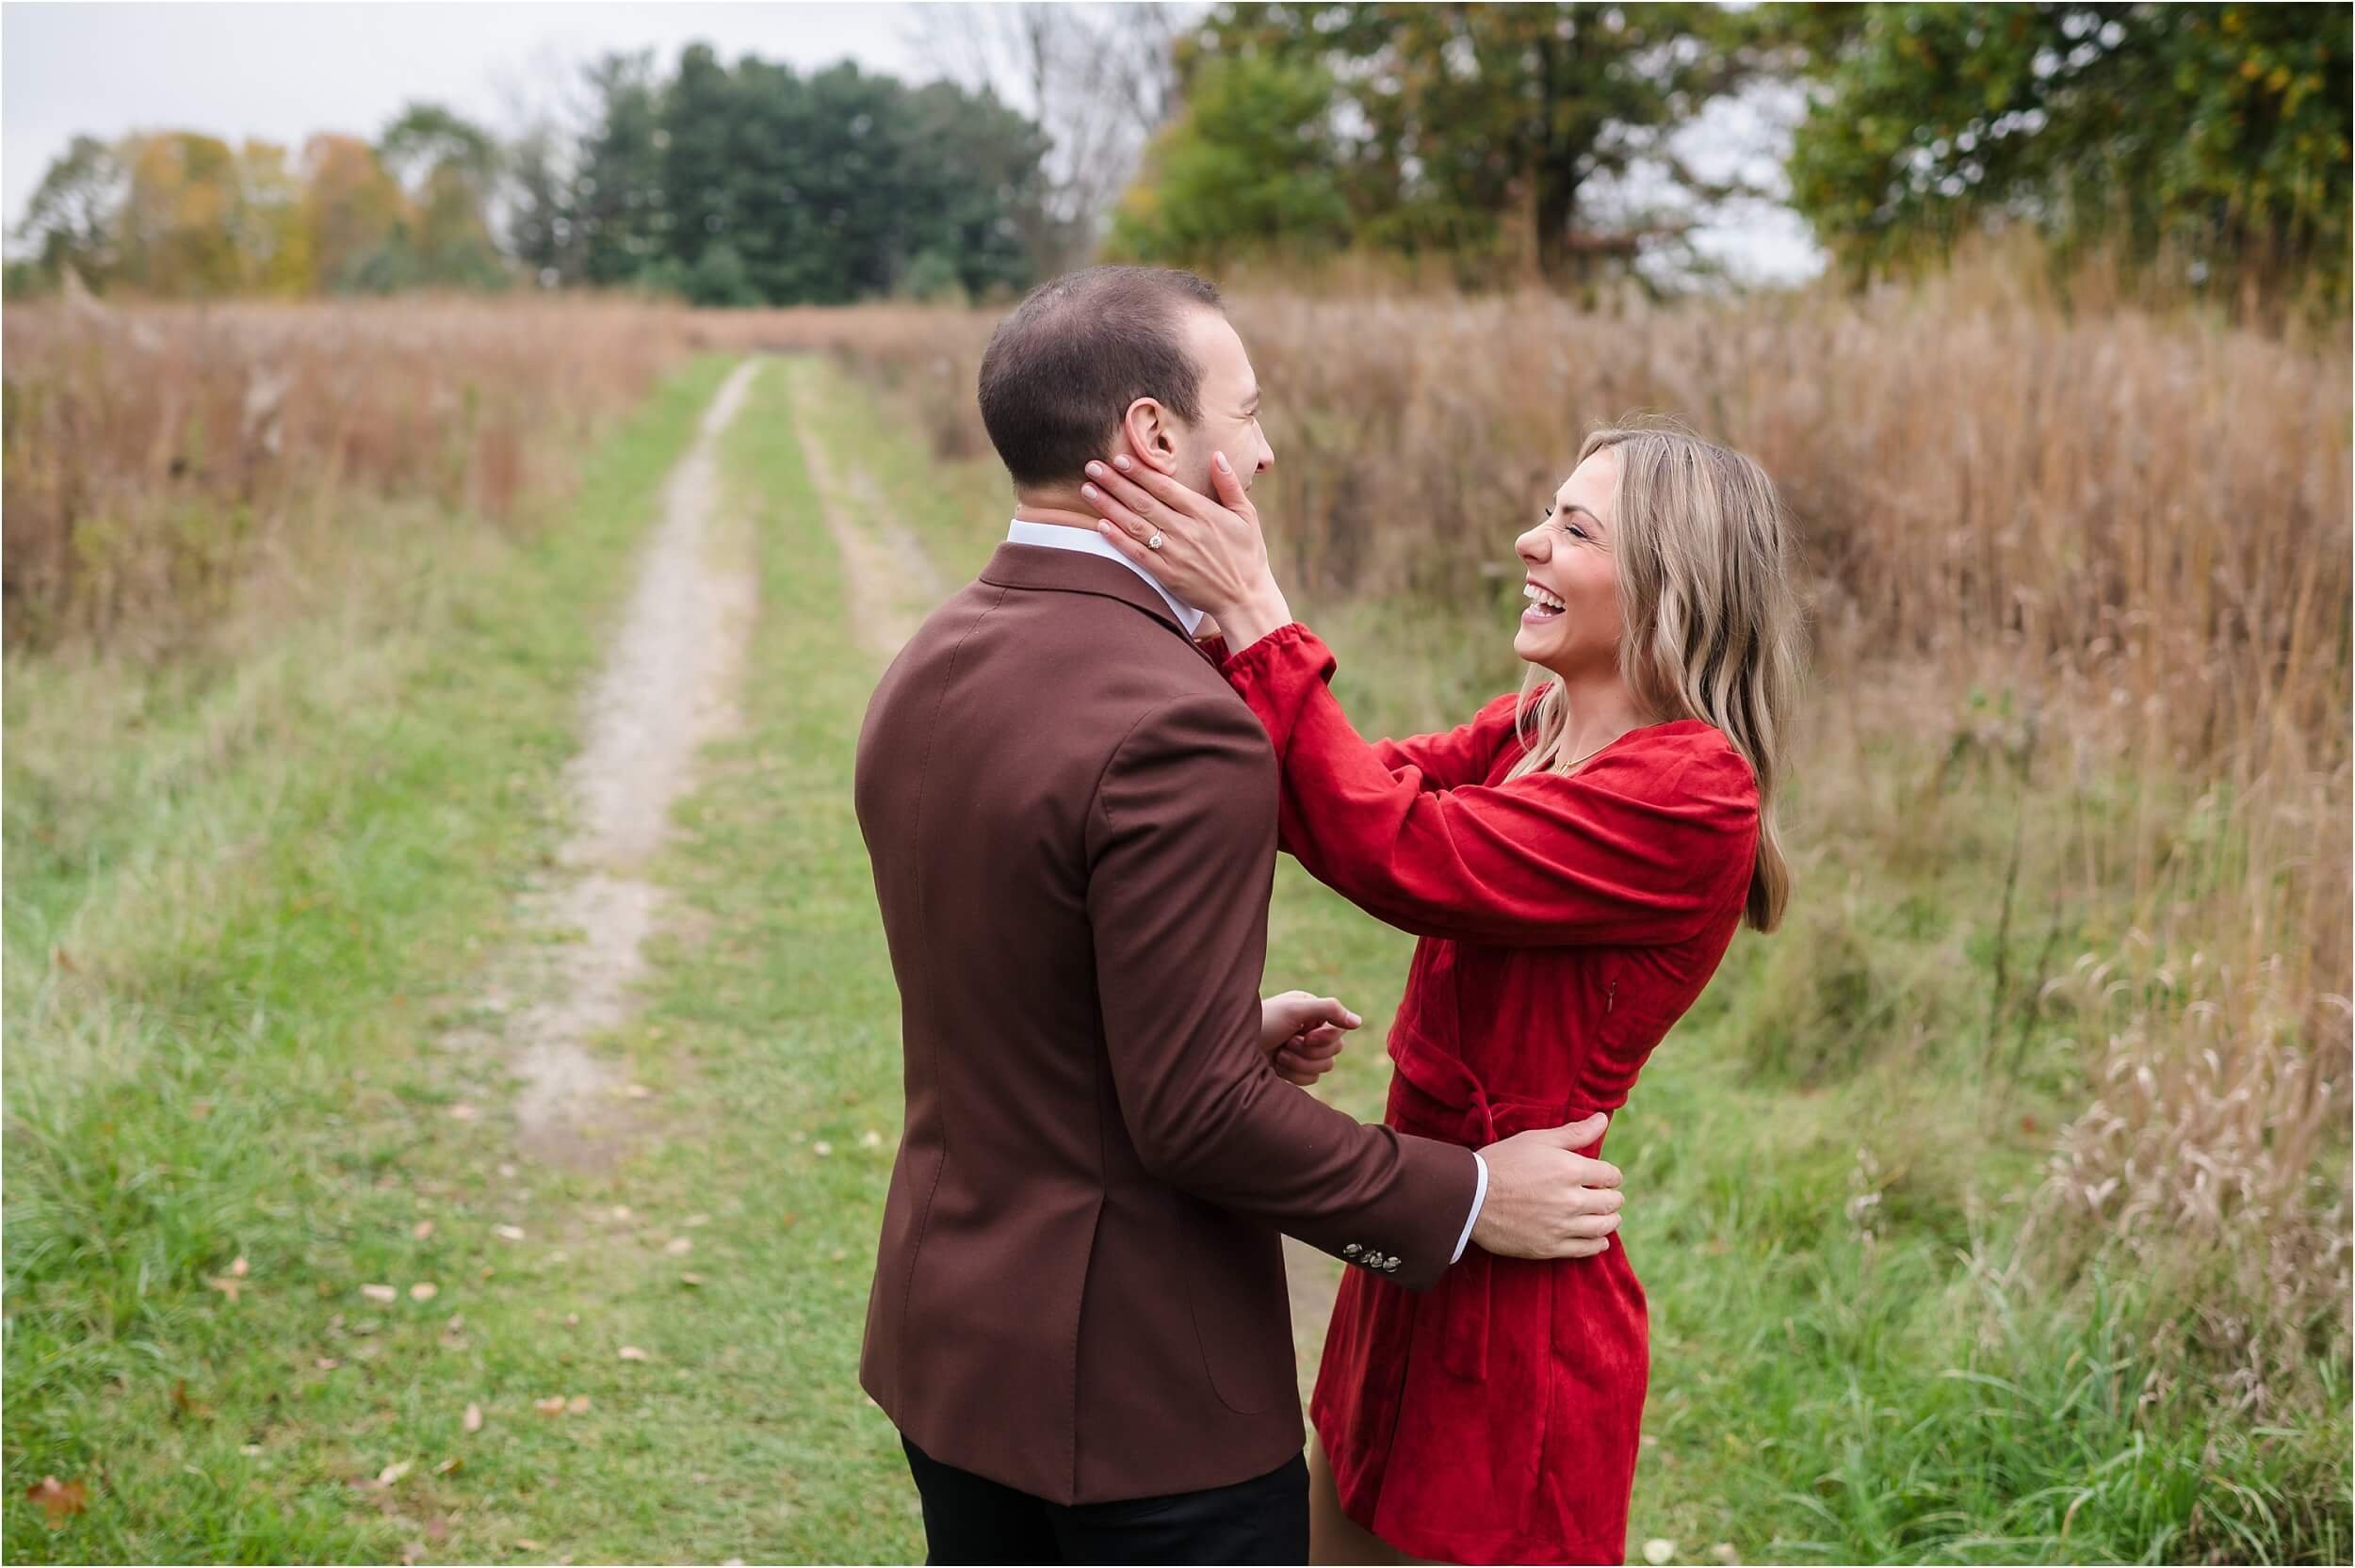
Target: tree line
{"points": [[2211, 141], [730, 185]]}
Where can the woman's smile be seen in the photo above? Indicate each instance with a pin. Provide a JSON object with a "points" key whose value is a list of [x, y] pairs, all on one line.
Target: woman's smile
{"points": [[1544, 603]]}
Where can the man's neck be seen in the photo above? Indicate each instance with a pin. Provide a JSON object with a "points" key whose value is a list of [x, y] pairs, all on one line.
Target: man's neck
{"points": [[1056, 511]]}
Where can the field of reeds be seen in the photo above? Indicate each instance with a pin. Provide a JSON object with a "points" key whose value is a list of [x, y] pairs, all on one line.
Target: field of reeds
{"points": [[164, 462], [2007, 1217]]}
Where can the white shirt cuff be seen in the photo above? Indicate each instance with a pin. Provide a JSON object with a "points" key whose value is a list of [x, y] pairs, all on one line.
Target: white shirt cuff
{"points": [[1480, 1196]]}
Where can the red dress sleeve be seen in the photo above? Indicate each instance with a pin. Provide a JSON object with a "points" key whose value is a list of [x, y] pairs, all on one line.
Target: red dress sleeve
{"points": [[1463, 755], [1649, 844]]}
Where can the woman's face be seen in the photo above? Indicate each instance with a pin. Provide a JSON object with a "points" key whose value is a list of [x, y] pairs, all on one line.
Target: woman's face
{"points": [[1572, 621]]}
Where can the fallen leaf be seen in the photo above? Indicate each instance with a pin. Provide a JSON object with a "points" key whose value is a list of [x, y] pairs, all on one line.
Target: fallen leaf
{"points": [[183, 1405], [638, 1092], [620, 1211], [238, 1268], [696, 1222], [473, 1420], [424, 1290], [691, 1279], [229, 1288], [822, 1148], [525, 1543], [680, 1246], [449, 1467], [252, 1451], [572, 1319], [327, 1364], [462, 1112], [1723, 1552], [380, 1293], [1657, 1551], [506, 1168], [63, 960], [577, 1404], [870, 1140], [391, 1474], [60, 1500], [508, 1232], [631, 1353], [422, 1229], [552, 1405]]}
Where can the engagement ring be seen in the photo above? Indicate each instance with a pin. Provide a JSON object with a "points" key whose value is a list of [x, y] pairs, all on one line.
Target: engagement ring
{"points": [[1153, 543]]}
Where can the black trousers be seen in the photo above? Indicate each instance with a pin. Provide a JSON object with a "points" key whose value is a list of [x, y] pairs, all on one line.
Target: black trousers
{"points": [[969, 1519]]}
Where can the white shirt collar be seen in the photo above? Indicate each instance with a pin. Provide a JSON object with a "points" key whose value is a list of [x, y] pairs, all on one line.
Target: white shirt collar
{"points": [[1054, 536]]}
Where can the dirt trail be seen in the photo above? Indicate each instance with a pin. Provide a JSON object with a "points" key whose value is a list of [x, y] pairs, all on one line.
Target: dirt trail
{"points": [[669, 685], [891, 584]]}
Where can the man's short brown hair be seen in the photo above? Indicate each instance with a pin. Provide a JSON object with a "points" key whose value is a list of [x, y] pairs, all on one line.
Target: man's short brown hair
{"points": [[1061, 372]]}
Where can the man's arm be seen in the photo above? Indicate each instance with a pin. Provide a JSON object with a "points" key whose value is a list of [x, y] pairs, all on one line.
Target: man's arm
{"points": [[1182, 861]]}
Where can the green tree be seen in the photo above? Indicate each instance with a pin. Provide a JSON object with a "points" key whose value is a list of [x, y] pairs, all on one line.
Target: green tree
{"points": [[1457, 121], [618, 191], [450, 169], [2214, 134], [73, 213], [1250, 166]]}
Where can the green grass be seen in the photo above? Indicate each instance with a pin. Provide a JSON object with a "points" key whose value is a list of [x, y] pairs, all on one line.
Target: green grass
{"points": [[278, 882]]}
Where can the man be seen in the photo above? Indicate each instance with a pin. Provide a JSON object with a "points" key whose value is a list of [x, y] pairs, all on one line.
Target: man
{"points": [[1079, 1319]]}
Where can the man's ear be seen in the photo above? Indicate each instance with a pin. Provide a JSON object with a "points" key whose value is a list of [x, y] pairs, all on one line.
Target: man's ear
{"points": [[1151, 435]]}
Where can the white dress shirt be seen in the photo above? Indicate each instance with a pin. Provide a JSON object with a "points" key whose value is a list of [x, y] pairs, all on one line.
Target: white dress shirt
{"points": [[1087, 541]]}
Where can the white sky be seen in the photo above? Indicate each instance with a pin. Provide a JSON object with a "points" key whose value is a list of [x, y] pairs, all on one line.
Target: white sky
{"points": [[278, 72]]}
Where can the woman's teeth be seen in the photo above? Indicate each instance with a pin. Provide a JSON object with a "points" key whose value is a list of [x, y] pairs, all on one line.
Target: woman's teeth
{"points": [[1542, 606]]}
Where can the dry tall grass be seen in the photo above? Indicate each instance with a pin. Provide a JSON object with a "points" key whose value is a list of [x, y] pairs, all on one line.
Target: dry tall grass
{"points": [[159, 462], [2102, 556]]}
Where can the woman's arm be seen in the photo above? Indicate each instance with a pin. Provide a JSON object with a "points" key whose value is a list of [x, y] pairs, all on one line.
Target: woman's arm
{"points": [[1649, 843], [1463, 755]]}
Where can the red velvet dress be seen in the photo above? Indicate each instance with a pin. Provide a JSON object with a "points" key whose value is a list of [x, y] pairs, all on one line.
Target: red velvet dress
{"points": [[1566, 924]]}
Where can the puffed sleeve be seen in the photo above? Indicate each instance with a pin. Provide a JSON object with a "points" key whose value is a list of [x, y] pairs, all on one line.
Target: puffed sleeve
{"points": [[1649, 844], [1463, 755]]}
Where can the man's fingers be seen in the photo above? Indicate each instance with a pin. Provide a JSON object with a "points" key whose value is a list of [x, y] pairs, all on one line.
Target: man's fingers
{"points": [[1595, 1172], [1592, 1225]]}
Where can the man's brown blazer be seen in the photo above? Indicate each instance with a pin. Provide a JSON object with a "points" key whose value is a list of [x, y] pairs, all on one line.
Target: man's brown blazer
{"points": [[1080, 1290]]}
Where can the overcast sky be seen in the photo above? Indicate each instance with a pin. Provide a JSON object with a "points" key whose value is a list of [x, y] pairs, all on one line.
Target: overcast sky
{"points": [[281, 72]]}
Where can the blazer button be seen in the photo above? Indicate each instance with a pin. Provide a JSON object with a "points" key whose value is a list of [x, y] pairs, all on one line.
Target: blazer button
{"points": [[1352, 1250], [1389, 1266]]}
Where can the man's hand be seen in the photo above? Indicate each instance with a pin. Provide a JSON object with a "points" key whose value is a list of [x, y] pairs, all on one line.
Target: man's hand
{"points": [[1302, 1034], [1546, 1201]]}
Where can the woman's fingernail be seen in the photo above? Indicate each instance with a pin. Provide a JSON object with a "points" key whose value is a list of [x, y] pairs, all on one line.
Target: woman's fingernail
{"points": [[1088, 490], [1220, 458], [1104, 528], [1120, 463], [1095, 468]]}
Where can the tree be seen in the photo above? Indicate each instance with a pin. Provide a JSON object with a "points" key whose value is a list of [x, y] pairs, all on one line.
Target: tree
{"points": [[1454, 121], [1096, 80], [72, 217], [1251, 168], [618, 192], [356, 215], [449, 168], [176, 233], [2217, 134]]}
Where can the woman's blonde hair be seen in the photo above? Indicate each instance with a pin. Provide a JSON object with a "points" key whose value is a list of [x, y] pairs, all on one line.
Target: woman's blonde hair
{"points": [[1711, 616]]}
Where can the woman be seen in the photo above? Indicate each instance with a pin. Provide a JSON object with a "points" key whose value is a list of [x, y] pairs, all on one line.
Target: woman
{"points": [[1575, 861]]}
